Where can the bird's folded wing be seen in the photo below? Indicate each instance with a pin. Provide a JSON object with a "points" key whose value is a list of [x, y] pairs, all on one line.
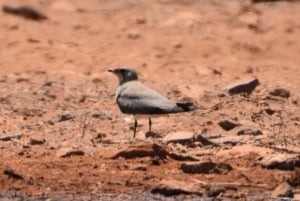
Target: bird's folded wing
{"points": [[137, 98]]}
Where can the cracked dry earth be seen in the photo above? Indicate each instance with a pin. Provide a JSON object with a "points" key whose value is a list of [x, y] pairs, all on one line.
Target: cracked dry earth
{"points": [[62, 137]]}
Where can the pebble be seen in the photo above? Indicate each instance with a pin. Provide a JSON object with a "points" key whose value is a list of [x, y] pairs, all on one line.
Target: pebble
{"points": [[133, 35], [65, 117], [284, 93], [228, 124], [244, 87], [280, 161], [137, 151], [12, 174], [34, 141], [68, 152], [174, 187], [181, 137]]}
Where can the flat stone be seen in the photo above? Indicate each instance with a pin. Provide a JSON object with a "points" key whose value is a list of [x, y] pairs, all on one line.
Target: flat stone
{"points": [[242, 151], [247, 86], [68, 152], [205, 168], [174, 187], [146, 150], [280, 161], [182, 157], [228, 140], [228, 124], [204, 141], [283, 190], [24, 11], [284, 93], [12, 174], [181, 137]]}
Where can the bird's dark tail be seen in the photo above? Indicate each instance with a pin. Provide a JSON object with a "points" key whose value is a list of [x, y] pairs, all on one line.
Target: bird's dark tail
{"points": [[187, 106]]}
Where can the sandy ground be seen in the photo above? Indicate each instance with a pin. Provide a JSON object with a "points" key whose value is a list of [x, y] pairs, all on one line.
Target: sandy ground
{"points": [[56, 93]]}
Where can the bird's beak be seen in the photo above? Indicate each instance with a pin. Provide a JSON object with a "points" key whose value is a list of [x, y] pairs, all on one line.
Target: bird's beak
{"points": [[112, 70]]}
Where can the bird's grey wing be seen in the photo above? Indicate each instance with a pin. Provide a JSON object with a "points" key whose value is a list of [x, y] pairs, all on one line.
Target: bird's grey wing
{"points": [[136, 98]]}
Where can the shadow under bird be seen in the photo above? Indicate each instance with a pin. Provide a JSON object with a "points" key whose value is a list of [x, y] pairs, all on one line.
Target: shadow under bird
{"points": [[137, 99]]}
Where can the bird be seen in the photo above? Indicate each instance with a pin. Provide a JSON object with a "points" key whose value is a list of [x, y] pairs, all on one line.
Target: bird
{"points": [[133, 97]]}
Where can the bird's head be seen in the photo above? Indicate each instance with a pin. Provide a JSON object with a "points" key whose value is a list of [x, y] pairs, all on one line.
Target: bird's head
{"points": [[124, 74]]}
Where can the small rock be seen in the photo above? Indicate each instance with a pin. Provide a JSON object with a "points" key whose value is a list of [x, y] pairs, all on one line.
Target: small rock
{"points": [[174, 187], [250, 69], [36, 141], [227, 139], [214, 191], [284, 93], [12, 174], [182, 157], [140, 20], [97, 80], [98, 115], [67, 152], [177, 45], [204, 141], [216, 72], [249, 131], [33, 40], [151, 150], [244, 87], [133, 35], [205, 168], [24, 11], [155, 161], [280, 161], [270, 111], [82, 99], [48, 83], [65, 117], [228, 125], [22, 79], [283, 190], [140, 167], [182, 137]]}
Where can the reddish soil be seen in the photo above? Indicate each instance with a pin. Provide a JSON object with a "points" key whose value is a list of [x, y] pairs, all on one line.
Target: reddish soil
{"points": [[188, 51]]}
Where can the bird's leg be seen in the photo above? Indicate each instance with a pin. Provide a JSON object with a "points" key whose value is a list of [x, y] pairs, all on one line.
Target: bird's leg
{"points": [[135, 126], [150, 124]]}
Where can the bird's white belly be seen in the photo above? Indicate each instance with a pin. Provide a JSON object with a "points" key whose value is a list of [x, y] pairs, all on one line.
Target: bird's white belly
{"points": [[147, 116]]}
